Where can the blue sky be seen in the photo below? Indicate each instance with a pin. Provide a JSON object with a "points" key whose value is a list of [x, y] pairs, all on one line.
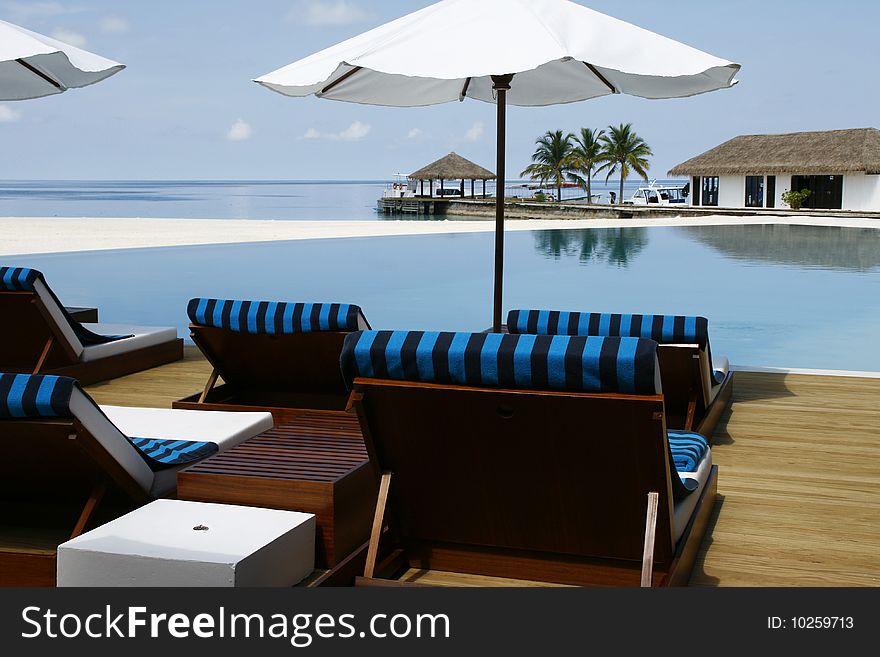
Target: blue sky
{"points": [[185, 108]]}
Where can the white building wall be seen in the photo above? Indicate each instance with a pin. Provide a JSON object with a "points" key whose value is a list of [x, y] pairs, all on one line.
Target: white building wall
{"points": [[783, 184], [861, 192], [731, 191]]}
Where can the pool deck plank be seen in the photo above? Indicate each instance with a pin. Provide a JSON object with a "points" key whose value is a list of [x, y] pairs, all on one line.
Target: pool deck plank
{"points": [[799, 480]]}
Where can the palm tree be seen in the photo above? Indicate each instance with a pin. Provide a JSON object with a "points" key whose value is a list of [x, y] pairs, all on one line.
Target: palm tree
{"points": [[551, 160], [625, 151], [587, 153]]}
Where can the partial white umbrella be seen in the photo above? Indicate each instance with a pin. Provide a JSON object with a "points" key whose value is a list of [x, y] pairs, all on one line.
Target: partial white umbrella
{"points": [[523, 52], [33, 65]]}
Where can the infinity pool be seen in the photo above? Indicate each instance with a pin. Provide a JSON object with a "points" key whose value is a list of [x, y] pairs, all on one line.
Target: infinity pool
{"points": [[778, 296]]}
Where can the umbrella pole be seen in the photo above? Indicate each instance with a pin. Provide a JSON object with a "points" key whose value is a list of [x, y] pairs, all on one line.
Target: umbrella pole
{"points": [[501, 85]]}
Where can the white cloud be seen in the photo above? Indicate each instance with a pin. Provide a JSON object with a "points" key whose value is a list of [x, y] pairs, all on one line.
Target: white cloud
{"points": [[9, 115], [328, 12], [69, 36], [475, 132], [415, 133], [240, 131], [115, 25], [23, 12], [355, 132]]}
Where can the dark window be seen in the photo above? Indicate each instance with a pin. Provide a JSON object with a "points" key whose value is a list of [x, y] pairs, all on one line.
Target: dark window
{"points": [[754, 191], [827, 191], [771, 191], [695, 190], [710, 190]]}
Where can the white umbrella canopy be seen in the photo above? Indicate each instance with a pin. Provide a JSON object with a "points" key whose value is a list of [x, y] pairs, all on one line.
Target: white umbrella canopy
{"points": [[561, 52], [522, 52], [33, 65]]}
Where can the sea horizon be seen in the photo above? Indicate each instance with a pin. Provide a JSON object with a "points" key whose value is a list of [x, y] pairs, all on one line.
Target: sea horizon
{"points": [[294, 200], [383, 181]]}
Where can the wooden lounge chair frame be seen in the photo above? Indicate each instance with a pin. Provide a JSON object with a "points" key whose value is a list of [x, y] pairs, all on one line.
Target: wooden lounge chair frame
{"points": [[304, 372], [40, 346], [483, 481], [694, 402], [689, 404], [57, 480]]}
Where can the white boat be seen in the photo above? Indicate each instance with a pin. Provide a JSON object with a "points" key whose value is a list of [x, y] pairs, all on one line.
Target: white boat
{"points": [[654, 195], [402, 187]]}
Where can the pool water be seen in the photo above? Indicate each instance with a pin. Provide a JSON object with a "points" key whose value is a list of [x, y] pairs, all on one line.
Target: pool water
{"points": [[777, 296]]}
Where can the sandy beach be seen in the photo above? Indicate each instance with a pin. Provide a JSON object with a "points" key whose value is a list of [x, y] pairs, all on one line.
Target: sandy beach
{"points": [[33, 235]]}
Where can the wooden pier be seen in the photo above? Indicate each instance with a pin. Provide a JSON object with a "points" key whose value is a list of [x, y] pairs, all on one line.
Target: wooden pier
{"points": [[412, 205]]}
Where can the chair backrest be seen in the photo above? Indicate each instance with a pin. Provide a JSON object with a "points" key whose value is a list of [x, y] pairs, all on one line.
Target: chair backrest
{"points": [[546, 444], [275, 346], [684, 353], [57, 444], [31, 315]]}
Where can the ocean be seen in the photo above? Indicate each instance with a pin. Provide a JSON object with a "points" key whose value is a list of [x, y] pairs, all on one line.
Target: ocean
{"points": [[296, 200]]}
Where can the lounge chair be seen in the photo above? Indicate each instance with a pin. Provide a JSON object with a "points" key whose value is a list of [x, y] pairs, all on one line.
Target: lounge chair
{"points": [[69, 463], [38, 335], [526, 457], [697, 386], [271, 355]]}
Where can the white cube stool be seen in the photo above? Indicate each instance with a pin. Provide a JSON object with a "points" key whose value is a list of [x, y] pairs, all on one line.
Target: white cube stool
{"points": [[178, 543]]}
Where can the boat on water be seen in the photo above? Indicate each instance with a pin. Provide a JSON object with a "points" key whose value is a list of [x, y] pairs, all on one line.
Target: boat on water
{"points": [[658, 195], [402, 187]]}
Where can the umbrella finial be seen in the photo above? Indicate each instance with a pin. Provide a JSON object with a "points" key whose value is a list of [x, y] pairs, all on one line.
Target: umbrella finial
{"points": [[502, 81]]}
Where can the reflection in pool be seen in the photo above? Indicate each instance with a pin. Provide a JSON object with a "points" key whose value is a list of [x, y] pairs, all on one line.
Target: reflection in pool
{"points": [[799, 297], [845, 249], [616, 246]]}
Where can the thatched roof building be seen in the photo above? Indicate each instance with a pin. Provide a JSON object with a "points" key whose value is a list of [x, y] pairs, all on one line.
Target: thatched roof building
{"points": [[452, 167], [829, 152]]}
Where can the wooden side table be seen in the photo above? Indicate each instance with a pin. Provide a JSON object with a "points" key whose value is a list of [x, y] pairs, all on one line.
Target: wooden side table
{"points": [[316, 463]]}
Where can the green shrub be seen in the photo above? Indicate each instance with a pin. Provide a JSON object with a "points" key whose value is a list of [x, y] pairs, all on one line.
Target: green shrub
{"points": [[795, 200]]}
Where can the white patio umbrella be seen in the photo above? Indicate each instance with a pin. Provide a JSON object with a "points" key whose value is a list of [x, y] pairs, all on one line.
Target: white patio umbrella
{"points": [[33, 65], [524, 52]]}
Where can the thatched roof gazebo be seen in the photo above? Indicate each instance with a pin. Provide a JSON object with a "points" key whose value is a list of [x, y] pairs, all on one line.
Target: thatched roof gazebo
{"points": [[451, 167], [831, 151]]}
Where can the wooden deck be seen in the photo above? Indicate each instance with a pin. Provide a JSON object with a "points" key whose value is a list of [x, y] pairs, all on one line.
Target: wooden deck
{"points": [[799, 481]]}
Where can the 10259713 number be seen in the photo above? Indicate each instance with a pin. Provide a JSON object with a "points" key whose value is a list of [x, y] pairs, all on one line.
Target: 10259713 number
{"points": [[810, 623]]}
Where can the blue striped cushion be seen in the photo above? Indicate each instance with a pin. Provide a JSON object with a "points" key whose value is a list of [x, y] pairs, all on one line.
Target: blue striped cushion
{"points": [[18, 279], [161, 454], [22, 279], [35, 396], [688, 449], [588, 364], [274, 317], [664, 329]]}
